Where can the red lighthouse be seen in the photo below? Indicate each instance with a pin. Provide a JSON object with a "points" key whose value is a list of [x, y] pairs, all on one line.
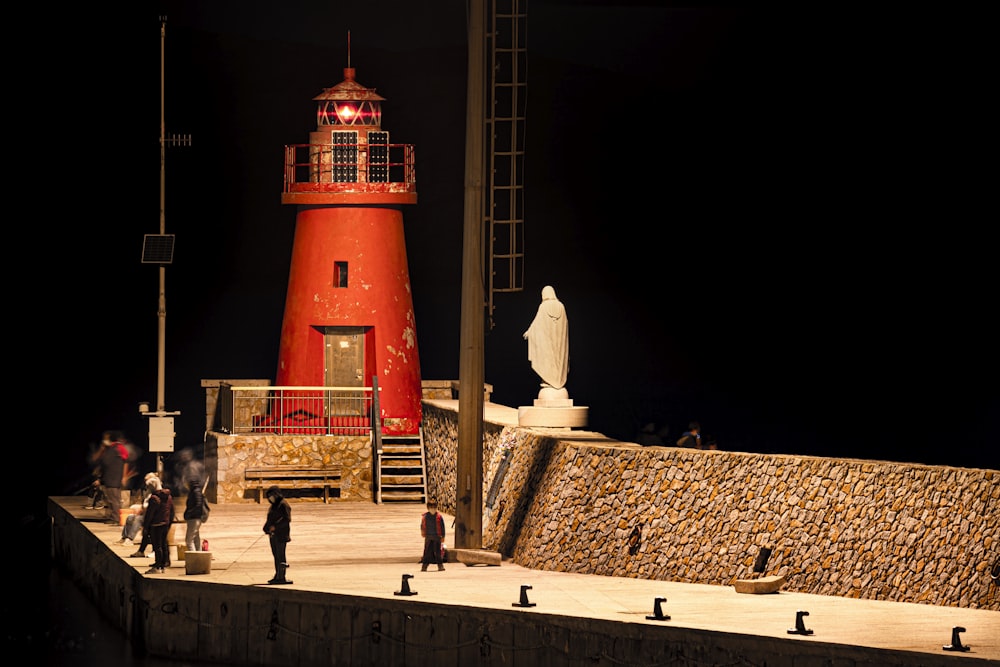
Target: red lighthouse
{"points": [[349, 310]]}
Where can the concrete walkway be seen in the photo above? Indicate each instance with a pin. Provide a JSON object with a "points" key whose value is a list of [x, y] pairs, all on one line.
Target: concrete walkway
{"points": [[365, 549]]}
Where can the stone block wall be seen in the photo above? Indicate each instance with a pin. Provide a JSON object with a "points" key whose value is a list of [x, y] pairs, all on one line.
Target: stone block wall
{"points": [[228, 456], [850, 528]]}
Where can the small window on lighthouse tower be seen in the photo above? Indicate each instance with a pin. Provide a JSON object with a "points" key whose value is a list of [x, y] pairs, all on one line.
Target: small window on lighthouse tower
{"points": [[340, 274]]}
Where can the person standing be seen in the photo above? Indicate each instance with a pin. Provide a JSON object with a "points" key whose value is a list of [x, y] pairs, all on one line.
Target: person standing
{"points": [[691, 437], [648, 437], [278, 526], [152, 483], [548, 341], [110, 458], [432, 530], [159, 516], [193, 511]]}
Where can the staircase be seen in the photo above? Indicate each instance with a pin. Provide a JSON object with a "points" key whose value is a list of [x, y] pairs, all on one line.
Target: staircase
{"points": [[402, 469]]}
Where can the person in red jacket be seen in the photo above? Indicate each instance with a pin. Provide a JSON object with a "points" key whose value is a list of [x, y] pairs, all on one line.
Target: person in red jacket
{"points": [[110, 459], [158, 517], [432, 530]]}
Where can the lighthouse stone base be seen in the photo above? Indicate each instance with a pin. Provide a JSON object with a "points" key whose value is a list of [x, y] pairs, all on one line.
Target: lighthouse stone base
{"points": [[552, 408]]}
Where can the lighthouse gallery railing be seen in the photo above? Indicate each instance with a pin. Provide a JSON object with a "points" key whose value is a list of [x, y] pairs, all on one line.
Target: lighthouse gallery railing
{"points": [[298, 410], [350, 168]]}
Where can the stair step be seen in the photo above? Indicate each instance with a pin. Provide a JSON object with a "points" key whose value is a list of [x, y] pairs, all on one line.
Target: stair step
{"points": [[401, 471], [401, 451], [402, 480], [403, 492]]}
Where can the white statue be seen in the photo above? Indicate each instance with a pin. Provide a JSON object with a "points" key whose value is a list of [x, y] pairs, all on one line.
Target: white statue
{"points": [[548, 341]]}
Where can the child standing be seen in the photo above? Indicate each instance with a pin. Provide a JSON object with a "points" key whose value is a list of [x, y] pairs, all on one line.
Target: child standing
{"points": [[432, 530]]}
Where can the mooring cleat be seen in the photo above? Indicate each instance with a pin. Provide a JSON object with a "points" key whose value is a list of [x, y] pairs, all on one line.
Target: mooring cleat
{"points": [[658, 614], [524, 598], [405, 588], [800, 626], [956, 640]]}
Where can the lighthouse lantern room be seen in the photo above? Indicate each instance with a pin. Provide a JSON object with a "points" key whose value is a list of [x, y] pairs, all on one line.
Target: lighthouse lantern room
{"points": [[349, 310]]}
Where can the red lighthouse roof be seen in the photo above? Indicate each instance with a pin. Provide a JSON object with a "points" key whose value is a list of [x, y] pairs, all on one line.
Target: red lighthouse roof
{"points": [[348, 90]]}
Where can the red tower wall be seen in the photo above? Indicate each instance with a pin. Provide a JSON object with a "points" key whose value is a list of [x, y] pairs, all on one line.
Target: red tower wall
{"points": [[377, 297]]}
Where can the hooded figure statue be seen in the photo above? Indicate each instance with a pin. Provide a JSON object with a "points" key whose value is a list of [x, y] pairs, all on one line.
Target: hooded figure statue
{"points": [[548, 341]]}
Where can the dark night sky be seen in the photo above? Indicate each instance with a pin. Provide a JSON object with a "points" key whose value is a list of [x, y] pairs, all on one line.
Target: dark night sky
{"points": [[770, 221]]}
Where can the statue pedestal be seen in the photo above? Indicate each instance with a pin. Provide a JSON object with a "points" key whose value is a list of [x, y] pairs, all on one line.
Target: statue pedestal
{"points": [[552, 408]]}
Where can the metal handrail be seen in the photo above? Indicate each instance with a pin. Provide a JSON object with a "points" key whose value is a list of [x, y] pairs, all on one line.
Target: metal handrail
{"points": [[298, 410], [349, 167]]}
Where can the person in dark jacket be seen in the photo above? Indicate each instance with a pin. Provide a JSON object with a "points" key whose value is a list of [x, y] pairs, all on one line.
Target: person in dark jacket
{"points": [[159, 515], [691, 437], [133, 522], [193, 511], [432, 530], [110, 458], [278, 526]]}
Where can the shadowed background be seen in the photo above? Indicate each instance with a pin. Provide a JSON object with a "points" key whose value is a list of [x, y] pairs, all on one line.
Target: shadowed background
{"points": [[768, 221]]}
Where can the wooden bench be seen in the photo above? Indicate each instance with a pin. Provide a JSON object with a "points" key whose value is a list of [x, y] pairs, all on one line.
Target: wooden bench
{"points": [[290, 477]]}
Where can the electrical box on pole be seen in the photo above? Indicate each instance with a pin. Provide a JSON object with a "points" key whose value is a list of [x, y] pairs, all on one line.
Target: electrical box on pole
{"points": [[161, 434]]}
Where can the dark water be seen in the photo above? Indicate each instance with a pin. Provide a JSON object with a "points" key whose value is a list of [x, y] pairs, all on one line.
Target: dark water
{"points": [[67, 630], [48, 620]]}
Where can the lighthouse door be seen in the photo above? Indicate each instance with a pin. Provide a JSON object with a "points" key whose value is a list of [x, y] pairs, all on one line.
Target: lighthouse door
{"points": [[345, 367]]}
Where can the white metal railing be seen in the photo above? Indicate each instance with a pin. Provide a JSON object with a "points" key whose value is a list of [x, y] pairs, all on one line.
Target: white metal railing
{"points": [[298, 410]]}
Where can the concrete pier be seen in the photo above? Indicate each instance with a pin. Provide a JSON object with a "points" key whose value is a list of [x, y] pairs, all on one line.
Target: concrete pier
{"points": [[348, 560]]}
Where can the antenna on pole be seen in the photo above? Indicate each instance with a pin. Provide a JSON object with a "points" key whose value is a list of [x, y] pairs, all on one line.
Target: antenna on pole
{"points": [[159, 249], [348, 48]]}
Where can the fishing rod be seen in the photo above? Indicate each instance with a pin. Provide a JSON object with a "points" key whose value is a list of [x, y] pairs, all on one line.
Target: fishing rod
{"points": [[252, 545]]}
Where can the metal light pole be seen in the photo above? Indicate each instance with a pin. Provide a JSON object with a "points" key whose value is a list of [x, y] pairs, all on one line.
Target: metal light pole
{"points": [[159, 249]]}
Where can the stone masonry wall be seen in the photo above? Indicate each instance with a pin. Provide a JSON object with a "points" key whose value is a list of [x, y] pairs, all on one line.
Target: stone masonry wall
{"points": [[850, 528], [228, 456]]}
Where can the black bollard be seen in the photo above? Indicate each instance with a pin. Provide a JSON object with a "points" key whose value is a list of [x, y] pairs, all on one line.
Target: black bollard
{"points": [[956, 640], [405, 590], [524, 598], [800, 625], [658, 611]]}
